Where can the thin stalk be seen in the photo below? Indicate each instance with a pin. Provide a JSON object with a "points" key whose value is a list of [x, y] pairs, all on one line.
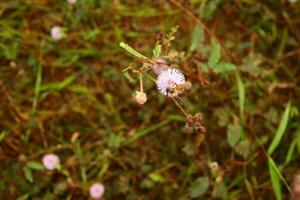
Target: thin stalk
{"points": [[141, 82], [148, 76], [180, 107]]}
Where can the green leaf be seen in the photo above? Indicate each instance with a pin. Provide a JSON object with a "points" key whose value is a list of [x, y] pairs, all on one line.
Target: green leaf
{"points": [[197, 38], [241, 91], [208, 9], [233, 134], [35, 165], [2, 135], [215, 54], [132, 51], [156, 177], [79, 89], [10, 52], [28, 174], [275, 179], [243, 148], [115, 140], [91, 34], [220, 191], [156, 51], [199, 187], [224, 67], [147, 183], [281, 130]]}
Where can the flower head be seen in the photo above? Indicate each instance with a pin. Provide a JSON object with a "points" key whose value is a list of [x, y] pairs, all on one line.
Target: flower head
{"points": [[71, 1], [97, 190], [50, 161], [170, 82], [57, 33]]}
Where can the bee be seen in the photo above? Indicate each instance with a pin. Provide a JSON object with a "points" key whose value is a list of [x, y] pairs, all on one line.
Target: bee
{"points": [[175, 90]]}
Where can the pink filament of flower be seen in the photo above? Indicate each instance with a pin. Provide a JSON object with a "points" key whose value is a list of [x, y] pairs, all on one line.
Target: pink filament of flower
{"points": [[170, 82]]}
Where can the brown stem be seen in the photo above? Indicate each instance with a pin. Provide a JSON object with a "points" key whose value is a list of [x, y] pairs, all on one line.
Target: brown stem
{"points": [[180, 107]]}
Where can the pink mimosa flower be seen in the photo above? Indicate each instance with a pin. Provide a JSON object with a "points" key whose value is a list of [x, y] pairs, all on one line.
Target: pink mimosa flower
{"points": [[50, 161], [97, 190]]}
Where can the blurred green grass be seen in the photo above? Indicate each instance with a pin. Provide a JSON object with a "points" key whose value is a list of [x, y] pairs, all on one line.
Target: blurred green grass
{"points": [[70, 97]]}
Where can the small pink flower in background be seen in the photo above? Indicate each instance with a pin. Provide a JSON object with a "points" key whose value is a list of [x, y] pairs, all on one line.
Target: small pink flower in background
{"points": [[97, 190], [71, 1], [50, 161], [170, 82], [57, 33]]}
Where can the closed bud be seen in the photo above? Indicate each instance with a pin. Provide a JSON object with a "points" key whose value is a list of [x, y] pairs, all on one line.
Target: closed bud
{"points": [[141, 97], [198, 117], [189, 119], [187, 128]]}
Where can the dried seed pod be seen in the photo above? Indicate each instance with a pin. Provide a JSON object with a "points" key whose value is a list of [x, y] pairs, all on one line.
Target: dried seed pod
{"points": [[189, 119], [198, 117], [202, 129], [197, 125], [187, 128]]}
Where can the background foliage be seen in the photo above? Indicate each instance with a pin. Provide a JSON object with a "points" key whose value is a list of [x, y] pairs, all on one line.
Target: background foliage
{"points": [[71, 98]]}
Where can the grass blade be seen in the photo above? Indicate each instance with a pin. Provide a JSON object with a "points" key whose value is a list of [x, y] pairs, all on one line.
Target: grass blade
{"points": [[37, 86], [281, 130], [81, 165], [59, 85], [291, 151], [241, 91], [2, 135], [275, 179], [154, 127], [276, 176]]}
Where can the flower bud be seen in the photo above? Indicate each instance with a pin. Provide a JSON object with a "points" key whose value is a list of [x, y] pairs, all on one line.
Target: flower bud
{"points": [[187, 128]]}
